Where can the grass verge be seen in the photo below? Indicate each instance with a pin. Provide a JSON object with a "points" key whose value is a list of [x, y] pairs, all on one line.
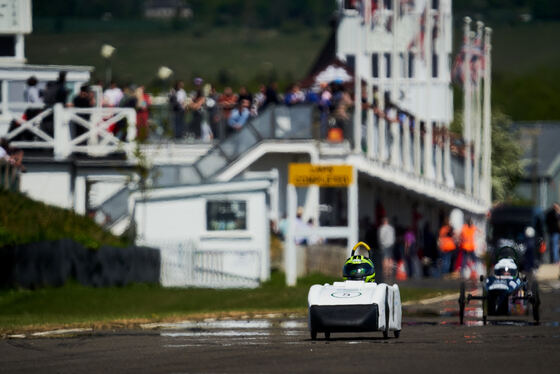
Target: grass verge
{"points": [[23, 220], [77, 306]]}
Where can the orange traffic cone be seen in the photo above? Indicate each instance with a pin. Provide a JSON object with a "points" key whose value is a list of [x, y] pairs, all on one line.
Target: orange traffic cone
{"points": [[401, 271], [474, 274]]}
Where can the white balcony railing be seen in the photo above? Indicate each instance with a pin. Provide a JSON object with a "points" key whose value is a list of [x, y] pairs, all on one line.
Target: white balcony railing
{"points": [[94, 131]]}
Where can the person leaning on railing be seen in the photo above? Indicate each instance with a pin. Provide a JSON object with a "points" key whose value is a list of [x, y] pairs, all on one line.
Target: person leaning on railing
{"points": [[239, 116], [11, 156]]}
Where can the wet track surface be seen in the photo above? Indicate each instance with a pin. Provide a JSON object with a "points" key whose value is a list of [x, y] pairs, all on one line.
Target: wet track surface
{"points": [[429, 344]]}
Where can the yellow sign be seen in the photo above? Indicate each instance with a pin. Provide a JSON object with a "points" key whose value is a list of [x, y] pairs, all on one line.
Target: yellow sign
{"points": [[303, 175]]}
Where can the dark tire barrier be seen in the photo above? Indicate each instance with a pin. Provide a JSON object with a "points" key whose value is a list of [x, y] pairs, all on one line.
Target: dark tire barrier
{"points": [[53, 263]]}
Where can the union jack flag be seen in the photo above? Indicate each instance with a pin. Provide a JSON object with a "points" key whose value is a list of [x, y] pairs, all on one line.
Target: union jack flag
{"points": [[476, 63], [418, 39]]}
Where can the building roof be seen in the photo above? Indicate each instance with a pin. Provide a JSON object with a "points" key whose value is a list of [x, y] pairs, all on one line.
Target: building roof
{"points": [[545, 137]]}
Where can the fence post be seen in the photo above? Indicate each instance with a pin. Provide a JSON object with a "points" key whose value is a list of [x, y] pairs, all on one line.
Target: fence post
{"points": [[61, 146], [131, 122]]}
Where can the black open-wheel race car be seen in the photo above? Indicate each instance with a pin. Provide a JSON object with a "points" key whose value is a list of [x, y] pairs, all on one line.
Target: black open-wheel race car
{"points": [[505, 291]]}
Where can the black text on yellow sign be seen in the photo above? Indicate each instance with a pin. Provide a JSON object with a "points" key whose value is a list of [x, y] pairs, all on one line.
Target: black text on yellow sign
{"points": [[303, 175]]}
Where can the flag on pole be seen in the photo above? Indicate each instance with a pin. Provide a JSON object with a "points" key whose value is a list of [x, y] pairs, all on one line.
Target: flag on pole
{"points": [[368, 12], [477, 58], [418, 39], [476, 64]]}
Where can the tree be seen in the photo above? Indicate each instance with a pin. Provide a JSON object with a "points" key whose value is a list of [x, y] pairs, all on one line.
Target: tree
{"points": [[506, 154], [506, 157]]}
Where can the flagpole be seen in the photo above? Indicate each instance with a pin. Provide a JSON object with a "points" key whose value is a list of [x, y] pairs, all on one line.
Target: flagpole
{"points": [[478, 111], [358, 92], [406, 105], [437, 48], [416, 133], [467, 105], [370, 138], [394, 125], [487, 162], [428, 135]]}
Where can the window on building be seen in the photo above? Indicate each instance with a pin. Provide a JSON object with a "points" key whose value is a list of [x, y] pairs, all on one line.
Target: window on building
{"points": [[351, 61], [387, 65], [226, 215], [435, 65], [7, 46], [411, 65], [375, 65], [435, 4]]}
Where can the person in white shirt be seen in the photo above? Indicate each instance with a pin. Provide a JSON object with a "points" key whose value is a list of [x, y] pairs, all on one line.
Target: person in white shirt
{"points": [[113, 95], [386, 237], [31, 94]]}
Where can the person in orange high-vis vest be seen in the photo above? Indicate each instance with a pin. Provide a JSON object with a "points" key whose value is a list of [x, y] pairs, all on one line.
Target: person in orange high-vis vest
{"points": [[447, 245], [468, 245]]}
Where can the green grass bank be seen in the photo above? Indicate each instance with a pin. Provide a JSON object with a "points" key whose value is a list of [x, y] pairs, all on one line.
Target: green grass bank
{"points": [[23, 220], [76, 305]]}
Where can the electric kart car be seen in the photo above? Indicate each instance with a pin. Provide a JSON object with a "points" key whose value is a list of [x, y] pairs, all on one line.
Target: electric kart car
{"points": [[504, 292], [357, 304]]}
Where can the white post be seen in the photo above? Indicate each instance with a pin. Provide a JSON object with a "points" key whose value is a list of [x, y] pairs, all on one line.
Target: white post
{"points": [[487, 165], [5, 96], [478, 119], [370, 118], [394, 125], [449, 181], [467, 106], [394, 56], [370, 137], [20, 47], [358, 94], [428, 135], [381, 123], [131, 129], [61, 146], [406, 144], [290, 258], [353, 225], [417, 148], [438, 146]]}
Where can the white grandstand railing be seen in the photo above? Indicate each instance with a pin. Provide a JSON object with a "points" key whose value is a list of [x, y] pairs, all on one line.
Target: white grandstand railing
{"points": [[96, 124], [33, 125]]}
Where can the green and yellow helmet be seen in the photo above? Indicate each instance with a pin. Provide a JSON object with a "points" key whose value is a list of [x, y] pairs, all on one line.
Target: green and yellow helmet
{"points": [[358, 267]]}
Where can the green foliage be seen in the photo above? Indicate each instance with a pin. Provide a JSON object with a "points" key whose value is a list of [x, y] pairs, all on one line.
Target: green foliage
{"points": [[23, 220], [506, 157], [530, 96], [506, 154], [225, 56], [509, 10], [251, 13]]}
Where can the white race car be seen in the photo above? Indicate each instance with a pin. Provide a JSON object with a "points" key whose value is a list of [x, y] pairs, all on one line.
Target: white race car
{"points": [[356, 305]]}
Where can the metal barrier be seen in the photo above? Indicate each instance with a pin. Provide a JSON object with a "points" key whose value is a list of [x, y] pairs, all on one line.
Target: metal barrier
{"points": [[183, 265]]}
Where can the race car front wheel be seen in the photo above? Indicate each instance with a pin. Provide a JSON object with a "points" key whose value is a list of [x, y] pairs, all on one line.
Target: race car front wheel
{"points": [[313, 334], [386, 331], [462, 302], [535, 301]]}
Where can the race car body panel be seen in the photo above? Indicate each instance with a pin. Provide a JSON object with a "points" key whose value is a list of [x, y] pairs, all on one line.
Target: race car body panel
{"points": [[354, 306]]}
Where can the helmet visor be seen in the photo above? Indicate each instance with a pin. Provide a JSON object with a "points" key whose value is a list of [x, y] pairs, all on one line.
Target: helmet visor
{"points": [[357, 271]]}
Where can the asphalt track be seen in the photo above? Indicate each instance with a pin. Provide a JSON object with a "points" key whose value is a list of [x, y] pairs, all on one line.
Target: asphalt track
{"points": [[428, 344]]}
